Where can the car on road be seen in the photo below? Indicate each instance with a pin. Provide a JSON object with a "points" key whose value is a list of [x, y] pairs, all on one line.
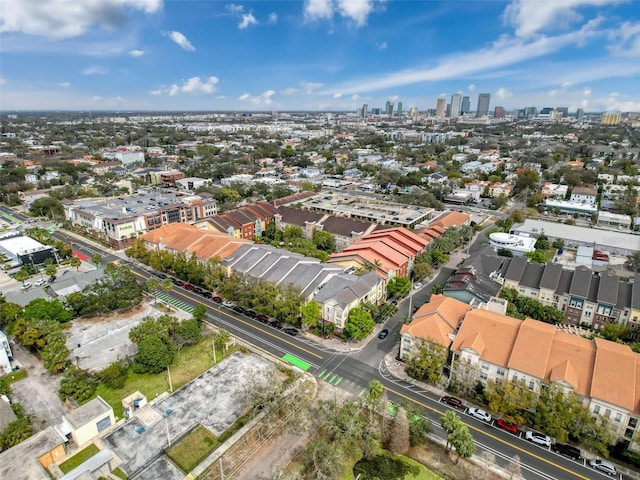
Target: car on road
{"points": [[262, 318], [26, 285], [216, 299], [227, 304], [292, 331], [508, 426], [603, 466], [52, 279], [538, 438], [417, 285], [566, 450], [206, 294], [239, 309], [40, 282], [251, 314], [276, 324], [187, 286], [177, 283], [480, 414], [383, 334], [453, 401]]}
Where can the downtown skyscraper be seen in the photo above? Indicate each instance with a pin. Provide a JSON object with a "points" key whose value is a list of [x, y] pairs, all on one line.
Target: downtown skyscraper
{"points": [[483, 105]]}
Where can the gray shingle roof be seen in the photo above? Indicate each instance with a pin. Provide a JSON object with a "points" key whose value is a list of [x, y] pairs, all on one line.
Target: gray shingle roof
{"points": [[551, 276], [532, 274], [564, 284], [516, 269], [624, 295], [635, 292], [581, 282], [608, 289]]}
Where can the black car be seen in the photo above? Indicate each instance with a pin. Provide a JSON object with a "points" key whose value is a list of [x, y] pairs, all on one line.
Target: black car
{"points": [[276, 324], [239, 309], [251, 314], [160, 275], [206, 294], [52, 279], [177, 283], [566, 450], [198, 290], [292, 331], [383, 334]]}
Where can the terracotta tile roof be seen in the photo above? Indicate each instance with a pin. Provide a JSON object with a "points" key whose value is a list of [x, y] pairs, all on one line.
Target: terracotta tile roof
{"points": [[402, 235], [613, 371], [436, 320], [532, 347], [489, 331]]}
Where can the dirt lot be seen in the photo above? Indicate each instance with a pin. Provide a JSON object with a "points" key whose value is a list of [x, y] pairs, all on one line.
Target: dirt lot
{"points": [[38, 393], [96, 342]]}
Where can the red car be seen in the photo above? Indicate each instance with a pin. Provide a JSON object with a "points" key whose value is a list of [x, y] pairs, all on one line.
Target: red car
{"points": [[217, 299], [508, 426], [187, 286], [453, 401]]}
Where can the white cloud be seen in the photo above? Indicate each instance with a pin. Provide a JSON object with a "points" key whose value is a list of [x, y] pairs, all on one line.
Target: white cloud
{"points": [[471, 88], [247, 20], [65, 19], [502, 93], [290, 91], [318, 10], [566, 85], [355, 96], [587, 91], [355, 10], [3, 80], [381, 46], [234, 9], [259, 100], [192, 85], [181, 40], [136, 53], [530, 17], [504, 52], [64, 84], [626, 40], [309, 88], [272, 18], [94, 70], [337, 95]]}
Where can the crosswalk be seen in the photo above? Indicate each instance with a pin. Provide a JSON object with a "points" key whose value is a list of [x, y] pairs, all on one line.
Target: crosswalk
{"points": [[172, 301], [330, 378]]}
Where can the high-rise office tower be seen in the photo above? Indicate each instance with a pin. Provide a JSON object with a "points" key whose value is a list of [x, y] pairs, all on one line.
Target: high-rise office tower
{"points": [[388, 108], [580, 114], [413, 112], [483, 105], [399, 109], [365, 110], [499, 112], [563, 110], [456, 105], [441, 107], [466, 105]]}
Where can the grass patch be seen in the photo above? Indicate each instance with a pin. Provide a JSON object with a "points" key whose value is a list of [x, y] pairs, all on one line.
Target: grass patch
{"points": [[79, 458], [193, 448], [188, 364], [393, 467], [119, 473], [14, 376]]}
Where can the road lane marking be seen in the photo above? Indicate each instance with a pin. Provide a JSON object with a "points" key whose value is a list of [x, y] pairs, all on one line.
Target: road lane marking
{"points": [[497, 439]]}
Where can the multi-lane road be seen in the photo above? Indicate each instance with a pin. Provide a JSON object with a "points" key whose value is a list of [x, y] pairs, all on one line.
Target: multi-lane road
{"points": [[354, 369]]}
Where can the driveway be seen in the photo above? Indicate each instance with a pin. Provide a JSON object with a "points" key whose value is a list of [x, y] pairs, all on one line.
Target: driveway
{"points": [[38, 393]]}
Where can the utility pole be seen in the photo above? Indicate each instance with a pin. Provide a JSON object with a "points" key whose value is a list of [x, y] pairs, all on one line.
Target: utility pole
{"points": [[213, 345], [170, 383]]}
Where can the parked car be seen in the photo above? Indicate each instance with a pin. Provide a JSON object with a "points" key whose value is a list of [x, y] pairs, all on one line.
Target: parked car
{"points": [[40, 282], [262, 318], [177, 283], [453, 401], [383, 334], [227, 304], [604, 466], [52, 279], [239, 309], [480, 414], [417, 285], [566, 450], [251, 314], [26, 285], [187, 286], [292, 331], [539, 438], [276, 324], [206, 294], [508, 426], [216, 299], [198, 290]]}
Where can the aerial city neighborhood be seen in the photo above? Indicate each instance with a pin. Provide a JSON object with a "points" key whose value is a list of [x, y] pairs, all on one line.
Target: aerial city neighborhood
{"points": [[181, 292]]}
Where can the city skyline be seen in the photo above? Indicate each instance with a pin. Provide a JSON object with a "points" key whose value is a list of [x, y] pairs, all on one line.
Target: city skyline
{"points": [[317, 54]]}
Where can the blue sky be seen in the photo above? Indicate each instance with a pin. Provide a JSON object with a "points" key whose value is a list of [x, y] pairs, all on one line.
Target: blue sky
{"points": [[317, 54]]}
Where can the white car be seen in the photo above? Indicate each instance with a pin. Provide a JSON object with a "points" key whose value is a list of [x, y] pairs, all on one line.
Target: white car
{"points": [[227, 304], [40, 282], [417, 286], [539, 438], [479, 414], [26, 285], [604, 466]]}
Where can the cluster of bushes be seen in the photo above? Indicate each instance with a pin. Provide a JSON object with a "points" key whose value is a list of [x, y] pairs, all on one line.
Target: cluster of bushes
{"points": [[523, 307], [18, 430]]}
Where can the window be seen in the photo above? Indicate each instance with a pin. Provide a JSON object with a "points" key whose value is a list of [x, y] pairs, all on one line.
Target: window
{"points": [[515, 377], [483, 376], [618, 417], [485, 366], [501, 372], [530, 384], [607, 413], [596, 409]]}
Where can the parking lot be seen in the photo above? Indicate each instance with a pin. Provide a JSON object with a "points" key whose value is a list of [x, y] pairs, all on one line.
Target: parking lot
{"points": [[210, 400]]}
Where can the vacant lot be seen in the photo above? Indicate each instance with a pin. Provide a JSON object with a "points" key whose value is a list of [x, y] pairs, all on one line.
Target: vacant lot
{"points": [[193, 448]]}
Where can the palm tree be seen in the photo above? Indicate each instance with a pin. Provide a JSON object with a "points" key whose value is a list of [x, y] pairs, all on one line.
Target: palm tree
{"points": [[22, 276], [96, 258], [75, 262], [50, 269]]}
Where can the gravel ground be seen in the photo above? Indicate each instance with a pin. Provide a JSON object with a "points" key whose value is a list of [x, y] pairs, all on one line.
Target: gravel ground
{"points": [[38, 393]]}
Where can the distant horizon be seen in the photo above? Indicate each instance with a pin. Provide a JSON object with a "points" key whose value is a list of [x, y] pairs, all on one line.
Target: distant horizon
{"points": [[317, 55]]}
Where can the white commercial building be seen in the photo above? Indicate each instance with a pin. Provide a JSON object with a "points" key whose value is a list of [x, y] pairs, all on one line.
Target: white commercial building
{"points": [[519, 245]]}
